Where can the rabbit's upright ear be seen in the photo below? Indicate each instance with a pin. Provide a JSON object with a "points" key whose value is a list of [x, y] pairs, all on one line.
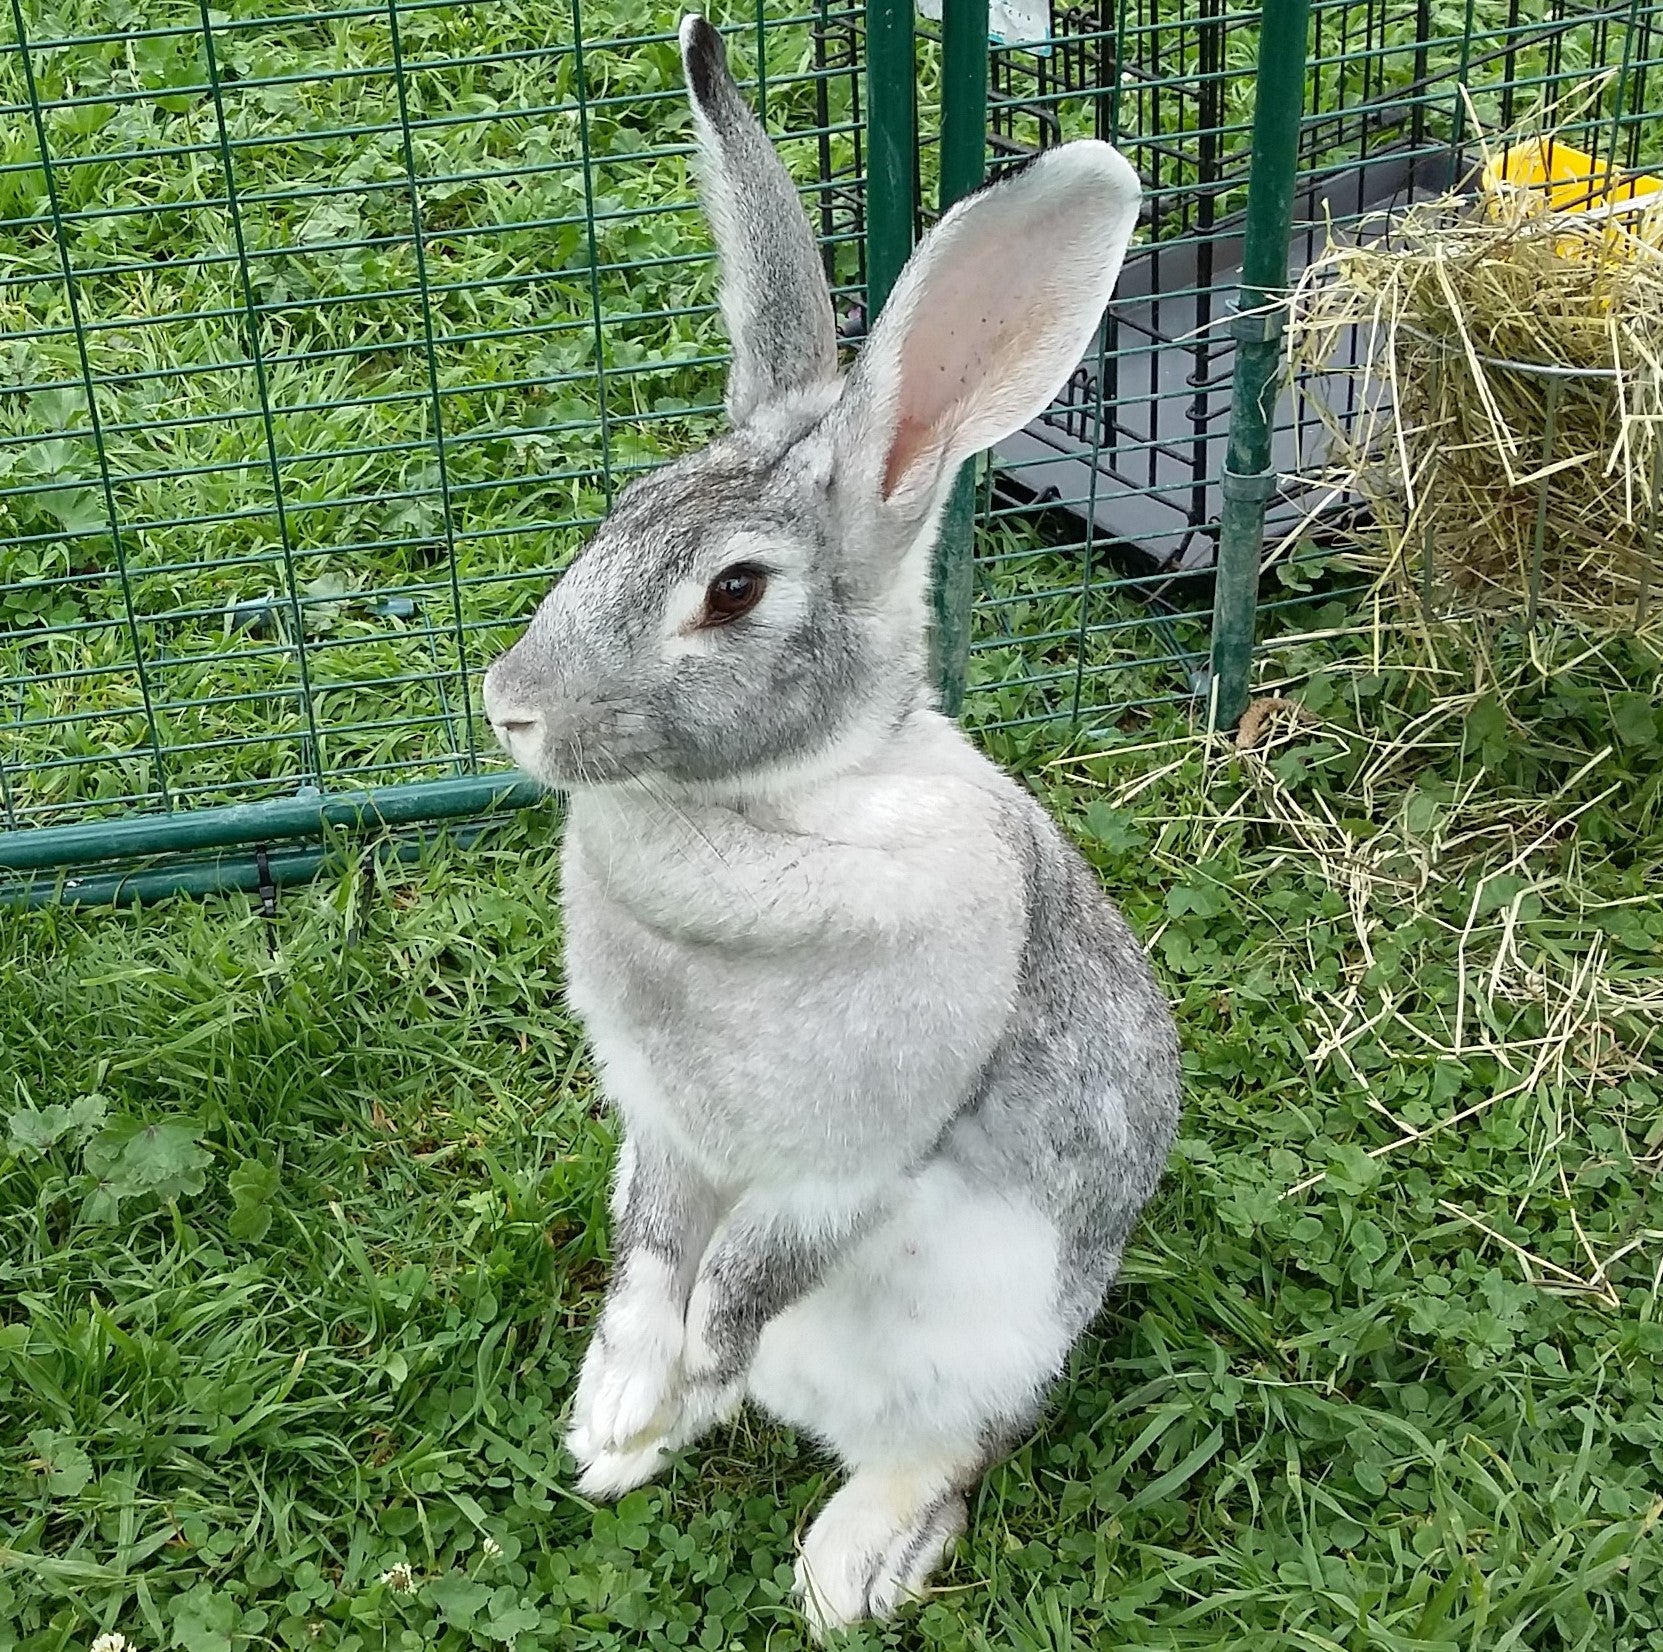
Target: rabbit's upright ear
{"points": [[775, 302], [989, 318]]}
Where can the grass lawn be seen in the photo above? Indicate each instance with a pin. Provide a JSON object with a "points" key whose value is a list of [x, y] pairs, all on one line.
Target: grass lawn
{"points": [[301, 1228]]}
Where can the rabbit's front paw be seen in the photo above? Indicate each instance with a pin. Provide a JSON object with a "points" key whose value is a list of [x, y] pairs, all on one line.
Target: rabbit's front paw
{"points": [[609, 1474], [707, 1400], [625, 1396], [611, 1467], [629, 1394], [628, 1402]]}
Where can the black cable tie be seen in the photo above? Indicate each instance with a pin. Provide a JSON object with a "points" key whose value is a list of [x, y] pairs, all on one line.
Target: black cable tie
{"points": [[267, 884]]}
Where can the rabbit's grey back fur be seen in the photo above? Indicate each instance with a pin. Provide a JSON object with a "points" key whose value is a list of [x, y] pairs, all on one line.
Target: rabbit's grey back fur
{"points": [[894, 1077], [1082, 1091]]}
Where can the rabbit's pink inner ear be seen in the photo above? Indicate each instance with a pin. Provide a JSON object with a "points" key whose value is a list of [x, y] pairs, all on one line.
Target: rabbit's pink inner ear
{"points": [[913, 437], [995, 309], [945, 367]]}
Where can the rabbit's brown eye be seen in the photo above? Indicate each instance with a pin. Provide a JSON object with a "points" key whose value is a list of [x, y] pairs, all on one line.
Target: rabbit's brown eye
{"points": [[733, 592]]}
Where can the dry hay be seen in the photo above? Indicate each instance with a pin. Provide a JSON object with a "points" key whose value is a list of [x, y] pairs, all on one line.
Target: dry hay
{"points": [[1510, 443], [1597, 1020]]}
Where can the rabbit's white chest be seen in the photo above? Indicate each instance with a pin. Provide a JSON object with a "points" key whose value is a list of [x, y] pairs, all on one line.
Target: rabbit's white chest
{"points": [[792, 1048]]}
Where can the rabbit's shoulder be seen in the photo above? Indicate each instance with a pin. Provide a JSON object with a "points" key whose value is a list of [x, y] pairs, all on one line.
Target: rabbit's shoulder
{"points": [[929, 787]]}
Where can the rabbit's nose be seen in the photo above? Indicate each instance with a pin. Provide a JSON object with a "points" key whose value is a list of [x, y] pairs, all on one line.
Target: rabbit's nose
{"points": [[520, 734], [517, 725]]}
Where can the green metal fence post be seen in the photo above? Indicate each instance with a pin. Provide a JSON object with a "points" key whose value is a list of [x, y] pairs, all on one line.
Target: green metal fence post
{"points": [[1248, 480], [273, 820], [963, 167], [892, 147]]}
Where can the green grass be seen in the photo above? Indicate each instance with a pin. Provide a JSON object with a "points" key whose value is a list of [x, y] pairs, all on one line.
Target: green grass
{"points": [[302, 1228]]}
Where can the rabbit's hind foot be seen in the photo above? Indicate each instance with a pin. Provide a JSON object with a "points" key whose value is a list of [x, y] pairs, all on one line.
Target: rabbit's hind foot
{"points": [[877, 1542]]}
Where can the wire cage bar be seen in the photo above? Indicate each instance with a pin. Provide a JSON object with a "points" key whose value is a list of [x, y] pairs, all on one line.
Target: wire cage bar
{"points": [[330, 331]]}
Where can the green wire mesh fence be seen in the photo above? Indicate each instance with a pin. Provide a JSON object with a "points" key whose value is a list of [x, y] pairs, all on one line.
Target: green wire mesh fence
{"points": [[329, 332], [1100, 527]]}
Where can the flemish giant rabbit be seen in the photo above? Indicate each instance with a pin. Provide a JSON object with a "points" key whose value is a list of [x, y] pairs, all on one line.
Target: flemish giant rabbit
{"points": [[894, 1078]]}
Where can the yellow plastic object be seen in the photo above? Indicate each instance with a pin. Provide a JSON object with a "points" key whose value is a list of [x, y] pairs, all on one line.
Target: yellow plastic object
{"points": [[1560, 178]]}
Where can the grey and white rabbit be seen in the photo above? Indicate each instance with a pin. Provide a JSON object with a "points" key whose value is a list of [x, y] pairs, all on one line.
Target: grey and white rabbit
{"points": [[894, 1078]]}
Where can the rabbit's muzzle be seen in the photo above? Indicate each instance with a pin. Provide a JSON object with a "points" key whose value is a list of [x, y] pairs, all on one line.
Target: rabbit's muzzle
{"points": [[559, 734], [515, 720]]}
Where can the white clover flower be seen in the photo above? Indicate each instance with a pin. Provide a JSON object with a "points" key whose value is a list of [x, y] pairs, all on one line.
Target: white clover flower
{"points": [[491, 1549], [400, 1579], [111, 1642]]}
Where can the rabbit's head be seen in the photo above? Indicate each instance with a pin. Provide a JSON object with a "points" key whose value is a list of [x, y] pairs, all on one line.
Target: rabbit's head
{"points": [[757, 610]]}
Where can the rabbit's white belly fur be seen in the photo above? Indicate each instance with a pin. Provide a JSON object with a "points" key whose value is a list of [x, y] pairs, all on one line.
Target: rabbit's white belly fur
{"points": [[943, 1316]]}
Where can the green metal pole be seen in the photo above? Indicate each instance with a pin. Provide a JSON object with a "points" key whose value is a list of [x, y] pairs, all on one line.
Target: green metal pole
{"points": [[1248, 479], [891, 147], [219, 875], [963, 167], [193, 830]]}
